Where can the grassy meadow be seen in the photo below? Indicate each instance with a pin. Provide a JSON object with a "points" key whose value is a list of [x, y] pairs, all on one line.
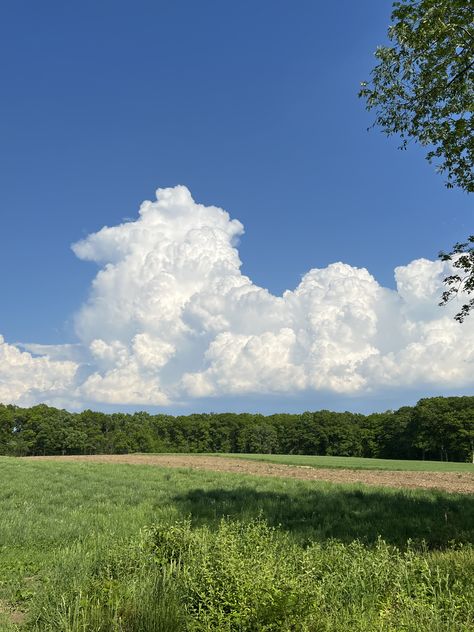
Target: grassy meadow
{"points": [[127, 548], [357, 463]]}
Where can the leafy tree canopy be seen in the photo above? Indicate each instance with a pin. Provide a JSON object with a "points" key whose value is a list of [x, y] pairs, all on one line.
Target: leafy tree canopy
{"points": [[422, 89], [423, 86]]}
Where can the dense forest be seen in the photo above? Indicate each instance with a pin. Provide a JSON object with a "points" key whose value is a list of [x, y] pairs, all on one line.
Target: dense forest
{"points": [[439, 428]]}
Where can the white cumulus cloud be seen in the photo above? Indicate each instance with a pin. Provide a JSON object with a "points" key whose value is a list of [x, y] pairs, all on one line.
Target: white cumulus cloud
{"points": [[171, 318], [25, 379]]}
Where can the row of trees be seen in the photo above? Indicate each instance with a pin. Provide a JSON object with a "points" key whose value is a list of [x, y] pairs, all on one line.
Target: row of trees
{"points": [[437, 428]]}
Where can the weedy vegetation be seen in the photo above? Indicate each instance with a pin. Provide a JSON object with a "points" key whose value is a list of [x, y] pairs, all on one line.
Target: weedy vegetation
{"points": [[128, 548]]}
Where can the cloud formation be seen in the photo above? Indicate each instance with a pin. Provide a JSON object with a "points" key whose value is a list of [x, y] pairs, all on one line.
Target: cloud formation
{"points": [[171, 318], [27, 379]]}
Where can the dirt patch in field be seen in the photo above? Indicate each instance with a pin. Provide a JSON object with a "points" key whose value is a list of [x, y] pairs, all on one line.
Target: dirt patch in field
{"points": [[447, 481], [15, 617]]}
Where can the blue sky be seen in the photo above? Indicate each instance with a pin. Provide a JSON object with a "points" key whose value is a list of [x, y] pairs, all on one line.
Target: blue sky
{"points": [[252, 106]]}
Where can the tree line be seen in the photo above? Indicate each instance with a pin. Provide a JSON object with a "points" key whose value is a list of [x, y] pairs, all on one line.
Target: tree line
{"points": [[438, 428]]}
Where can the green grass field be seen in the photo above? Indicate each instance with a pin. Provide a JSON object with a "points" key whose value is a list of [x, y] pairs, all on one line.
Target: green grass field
{"points": [[356, 463], [126, 548]]}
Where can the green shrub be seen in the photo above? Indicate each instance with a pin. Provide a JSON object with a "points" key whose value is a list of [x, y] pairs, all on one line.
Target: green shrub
{"points": [[244, 576]]}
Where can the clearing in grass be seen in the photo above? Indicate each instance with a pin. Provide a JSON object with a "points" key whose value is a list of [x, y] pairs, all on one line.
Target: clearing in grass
{"points": [[357, 463], [462, 482]]}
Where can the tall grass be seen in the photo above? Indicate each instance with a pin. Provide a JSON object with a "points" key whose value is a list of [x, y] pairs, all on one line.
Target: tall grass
{"points": [[246, 576], [99, 547]]}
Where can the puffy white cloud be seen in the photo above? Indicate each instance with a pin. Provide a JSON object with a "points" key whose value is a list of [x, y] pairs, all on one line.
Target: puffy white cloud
{"points": [[25, 378], [171, 318], [155, 265], [238, 363], [125, 384]]}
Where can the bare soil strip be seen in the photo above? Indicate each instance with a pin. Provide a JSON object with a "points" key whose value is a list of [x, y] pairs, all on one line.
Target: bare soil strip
{"points": [[15, 617], [447, 481]]}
